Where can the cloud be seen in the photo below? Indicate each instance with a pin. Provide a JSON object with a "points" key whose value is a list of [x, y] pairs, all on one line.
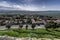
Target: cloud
{"points": [[27, 1], [4, 5], [7, 6]]}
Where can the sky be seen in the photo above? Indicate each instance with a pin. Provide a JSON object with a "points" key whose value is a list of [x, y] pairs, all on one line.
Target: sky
{"points": [[30, 5]]}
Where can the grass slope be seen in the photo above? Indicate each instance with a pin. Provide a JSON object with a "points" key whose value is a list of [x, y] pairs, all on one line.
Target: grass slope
{"points": [[38, 33]]}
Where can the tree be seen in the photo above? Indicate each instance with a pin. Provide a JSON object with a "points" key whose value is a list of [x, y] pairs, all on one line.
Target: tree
{"points": [[26, 26], [33, 26], [51, 24], [8, 26], [58, 25], [2, 23], [29, 21], [17, 21], [20, 26]]}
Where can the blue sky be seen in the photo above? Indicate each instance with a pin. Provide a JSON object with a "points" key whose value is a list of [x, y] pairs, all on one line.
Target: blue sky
{"points": [[30, 5]]}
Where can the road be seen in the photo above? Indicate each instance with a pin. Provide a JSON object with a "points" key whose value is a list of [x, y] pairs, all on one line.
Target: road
{"points": [[17, 26]]}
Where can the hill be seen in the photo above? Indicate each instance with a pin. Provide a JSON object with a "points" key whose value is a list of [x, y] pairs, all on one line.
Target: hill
{"points": [[49, 13]]}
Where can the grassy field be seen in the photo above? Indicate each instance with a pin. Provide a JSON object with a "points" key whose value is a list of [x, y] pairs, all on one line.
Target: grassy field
{"points": [[37, 33]]}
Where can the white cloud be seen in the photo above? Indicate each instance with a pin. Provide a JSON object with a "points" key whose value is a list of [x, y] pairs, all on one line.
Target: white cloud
{"points": [[7, 6], [4, 4]]}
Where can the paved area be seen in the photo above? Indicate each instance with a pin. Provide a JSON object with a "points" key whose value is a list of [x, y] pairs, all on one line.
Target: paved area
{"points": [[17, 26], [27, 38]]}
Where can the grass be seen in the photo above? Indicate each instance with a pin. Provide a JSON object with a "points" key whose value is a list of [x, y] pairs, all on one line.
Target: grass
{"points": [[38, 33]]}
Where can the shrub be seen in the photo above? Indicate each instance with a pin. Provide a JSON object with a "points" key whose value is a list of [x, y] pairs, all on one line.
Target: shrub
{"points": [[12, 33]]}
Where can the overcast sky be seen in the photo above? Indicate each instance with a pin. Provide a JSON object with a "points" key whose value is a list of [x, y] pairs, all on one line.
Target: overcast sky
{"points": [[30, 5]]}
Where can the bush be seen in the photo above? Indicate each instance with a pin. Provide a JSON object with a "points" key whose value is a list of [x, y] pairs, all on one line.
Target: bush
{"points": [[12, 33]]}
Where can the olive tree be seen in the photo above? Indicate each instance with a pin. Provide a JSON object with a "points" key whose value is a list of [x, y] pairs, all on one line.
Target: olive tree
{"points": [[50, 24], [33, 26], [8, 25], [20, 26], [26, 26]]}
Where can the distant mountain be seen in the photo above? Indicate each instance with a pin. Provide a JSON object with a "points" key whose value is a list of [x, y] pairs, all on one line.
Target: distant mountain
{"points": [[50, 13]]}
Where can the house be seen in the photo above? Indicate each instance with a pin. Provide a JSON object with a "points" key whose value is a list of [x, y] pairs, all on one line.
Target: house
{"points": [[40, 22], [57, 21]]}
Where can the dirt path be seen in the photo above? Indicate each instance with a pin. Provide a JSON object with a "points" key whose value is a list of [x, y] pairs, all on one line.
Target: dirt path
{"points": [[16, 26], [14, 38]]}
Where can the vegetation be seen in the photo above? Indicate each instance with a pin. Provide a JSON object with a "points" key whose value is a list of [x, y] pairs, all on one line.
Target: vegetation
{"points": [[33, 26], [20, 26], [38, 33], [8, 26], [32, 20], [52, 25], [26, 26]]}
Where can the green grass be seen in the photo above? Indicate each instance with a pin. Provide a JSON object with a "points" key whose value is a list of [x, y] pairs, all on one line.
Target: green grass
{"points": [[38, 33]]}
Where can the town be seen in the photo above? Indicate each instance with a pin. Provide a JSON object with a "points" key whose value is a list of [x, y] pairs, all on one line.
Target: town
{"points": [[33, 25], [29, 19], [26, 20]]}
